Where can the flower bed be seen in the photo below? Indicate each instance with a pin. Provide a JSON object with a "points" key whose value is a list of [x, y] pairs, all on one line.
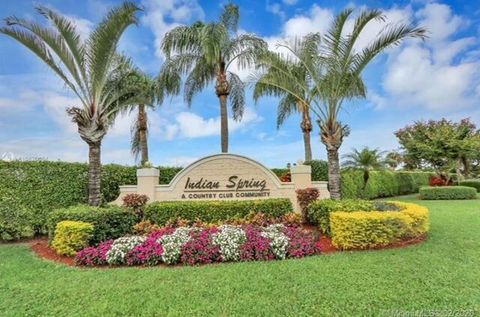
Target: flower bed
{"points": [[200, 245]]}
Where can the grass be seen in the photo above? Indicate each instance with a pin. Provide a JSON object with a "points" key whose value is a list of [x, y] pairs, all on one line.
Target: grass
{"points": [[439, 276]]}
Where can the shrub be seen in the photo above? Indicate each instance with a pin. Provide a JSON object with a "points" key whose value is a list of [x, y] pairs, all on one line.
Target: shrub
{"points": [[447, 193], [382, 183], [145, 227], [366, 229], [319, 170], [15, 221], [475, 183], [319, 211], [136, 202], [213, 211], [71, 236], [109, 222], [41, 186], [305, 197]]}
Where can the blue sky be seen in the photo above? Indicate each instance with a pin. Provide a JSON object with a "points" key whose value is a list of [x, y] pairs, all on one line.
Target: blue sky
{"points": [[430, 80]]}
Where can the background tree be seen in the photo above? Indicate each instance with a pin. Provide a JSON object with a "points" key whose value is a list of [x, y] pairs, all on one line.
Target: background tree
{"points": [[442, 145], [269, 83], [366, 160], [207, 52], [394, 159], [85, 67]]}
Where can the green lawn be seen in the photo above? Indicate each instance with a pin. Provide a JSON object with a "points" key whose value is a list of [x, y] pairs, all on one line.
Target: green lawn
{"points": [[441, 275]]}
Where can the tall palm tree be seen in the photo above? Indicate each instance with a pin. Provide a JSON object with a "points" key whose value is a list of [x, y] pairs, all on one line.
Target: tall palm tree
{"points": [[366, 160], [335, 67], [85, 67], [265, 85], [343, 75], [207, 52]]}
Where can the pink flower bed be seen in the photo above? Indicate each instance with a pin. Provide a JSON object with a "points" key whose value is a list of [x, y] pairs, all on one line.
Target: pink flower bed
{"points": [[191, 246]]}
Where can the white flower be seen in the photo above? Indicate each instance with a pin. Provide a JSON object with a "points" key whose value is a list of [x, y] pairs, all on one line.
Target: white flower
{"points": [[229, 239], [278, 240], [121, 246], [172, 244]]}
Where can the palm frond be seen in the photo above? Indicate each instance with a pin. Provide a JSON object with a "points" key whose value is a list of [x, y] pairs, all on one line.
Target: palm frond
{"points": [[183, 40], [237, 95], [244, 50], [103, 42], [199, 77], [390, 36], [286, 107]]}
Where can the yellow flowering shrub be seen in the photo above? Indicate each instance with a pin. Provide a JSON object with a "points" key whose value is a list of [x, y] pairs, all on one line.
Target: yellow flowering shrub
{"points": [[71, 236], [366, 229]]}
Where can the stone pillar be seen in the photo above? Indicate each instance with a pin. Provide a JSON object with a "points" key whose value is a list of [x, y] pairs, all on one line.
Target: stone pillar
{"points": [[147, 179], [301, 178]]}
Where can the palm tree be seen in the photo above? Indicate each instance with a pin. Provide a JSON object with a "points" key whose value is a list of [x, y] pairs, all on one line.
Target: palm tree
{"points": [[365, 160], [335, 68], [343, 76], [265, 85], [85, 67], [145, 93], [206, 52]]}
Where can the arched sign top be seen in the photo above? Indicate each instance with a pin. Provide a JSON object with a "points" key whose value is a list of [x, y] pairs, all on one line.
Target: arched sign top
{"points": [[227, 162]]}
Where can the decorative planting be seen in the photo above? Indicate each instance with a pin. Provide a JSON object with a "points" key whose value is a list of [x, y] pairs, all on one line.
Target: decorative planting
{"points": [[367, 229], [448, 193], [195, 245]]}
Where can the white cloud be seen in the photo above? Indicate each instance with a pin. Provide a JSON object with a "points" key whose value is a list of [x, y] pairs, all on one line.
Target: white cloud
{"points": [[317, 19], [430, 74], [180, 161], [290, 2], [190, 125], [164, 15]]}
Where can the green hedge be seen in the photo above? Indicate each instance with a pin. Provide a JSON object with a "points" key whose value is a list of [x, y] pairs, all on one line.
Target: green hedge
{"points": [[447, 193], [41, 186], [382, 183], [319, 211], [212, 211], [109, 222], [319, 170], [15, 222], [475, 183]]}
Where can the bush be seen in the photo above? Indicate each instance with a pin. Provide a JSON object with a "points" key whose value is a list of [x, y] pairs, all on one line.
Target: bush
{"points": [[475, 183], [319, 211], [109, 222], [71, 236], [319, 170], [136, 202], [212, 211], [41, 186], [15, 222], [305, 197], [382, 183], [366, 229], [448, 193]]}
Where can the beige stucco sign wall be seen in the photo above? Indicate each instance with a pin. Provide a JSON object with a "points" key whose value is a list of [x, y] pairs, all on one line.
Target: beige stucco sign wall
{"points": [[223, 177]]}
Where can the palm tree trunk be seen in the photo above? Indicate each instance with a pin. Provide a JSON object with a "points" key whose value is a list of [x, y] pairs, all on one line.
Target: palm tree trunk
{"points": [[94, 173], [142, 125], [334, 181], [222, 90], [306, 129], [223, 123]]}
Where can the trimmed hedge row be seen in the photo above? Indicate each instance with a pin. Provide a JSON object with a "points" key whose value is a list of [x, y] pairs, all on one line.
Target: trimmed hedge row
{"points": [[211, 211], [41, 186], [475, 183], [109, 222], [366, 229], [382, 183], [447, 193]]}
